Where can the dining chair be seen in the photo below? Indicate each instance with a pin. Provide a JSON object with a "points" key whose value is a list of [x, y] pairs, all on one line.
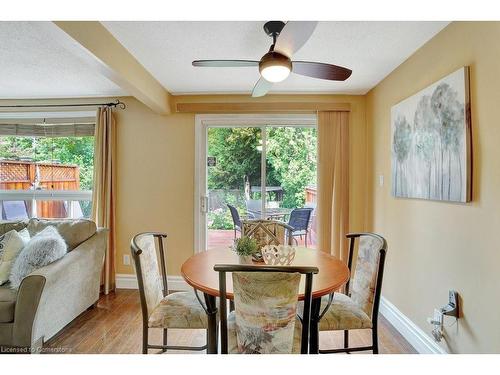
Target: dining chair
{"points": [[358, 307], [299, 221], [161, 309], [264, 320], [268, 232]]}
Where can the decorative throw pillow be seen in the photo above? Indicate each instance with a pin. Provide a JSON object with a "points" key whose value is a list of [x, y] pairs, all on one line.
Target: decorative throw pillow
{"points": [[11, 244], [44, 248]]}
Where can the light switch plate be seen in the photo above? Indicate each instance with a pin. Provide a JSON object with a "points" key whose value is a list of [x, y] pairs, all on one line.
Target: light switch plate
{"points": [[381, 180], [126, 260]]}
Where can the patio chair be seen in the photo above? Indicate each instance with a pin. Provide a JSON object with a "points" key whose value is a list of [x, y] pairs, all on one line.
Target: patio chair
{"points": [[73, 209], [358, 307], [299, 221], [268, 232], [14, 210], [236, 219], [161, 309], [264, 320]]}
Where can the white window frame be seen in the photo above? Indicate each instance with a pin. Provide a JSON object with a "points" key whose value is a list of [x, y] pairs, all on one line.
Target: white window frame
{"points": [[53, 117], [205, 121], [46, 195]]}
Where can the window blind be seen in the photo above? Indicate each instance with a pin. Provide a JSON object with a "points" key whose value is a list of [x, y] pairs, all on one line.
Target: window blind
{"points": [[53, 130]]}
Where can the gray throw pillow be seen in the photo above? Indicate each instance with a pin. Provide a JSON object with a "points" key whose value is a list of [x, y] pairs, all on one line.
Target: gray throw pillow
{"points": [[44, 248]]}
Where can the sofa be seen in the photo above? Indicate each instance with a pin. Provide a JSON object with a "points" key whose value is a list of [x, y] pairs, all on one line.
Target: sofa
{"points": [[52, 296]]}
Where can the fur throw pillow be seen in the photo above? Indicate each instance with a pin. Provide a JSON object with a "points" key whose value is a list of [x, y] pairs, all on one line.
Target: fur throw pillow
{"points": [[43, 248]]}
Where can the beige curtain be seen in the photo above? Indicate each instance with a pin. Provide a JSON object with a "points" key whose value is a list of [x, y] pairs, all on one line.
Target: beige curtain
{"points": [[333, 183], [103, 194]]}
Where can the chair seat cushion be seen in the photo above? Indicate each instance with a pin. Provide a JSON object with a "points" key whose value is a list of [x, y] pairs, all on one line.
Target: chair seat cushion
{"points": [[343, 314], [8, 299], [178, 310], [232, 342]]}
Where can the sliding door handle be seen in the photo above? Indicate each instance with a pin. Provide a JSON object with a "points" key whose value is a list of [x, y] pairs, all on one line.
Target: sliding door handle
{"points": [[204, 204]]}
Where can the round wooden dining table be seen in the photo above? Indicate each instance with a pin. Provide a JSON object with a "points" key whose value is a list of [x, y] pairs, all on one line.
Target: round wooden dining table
{"points": [[198, 271]]}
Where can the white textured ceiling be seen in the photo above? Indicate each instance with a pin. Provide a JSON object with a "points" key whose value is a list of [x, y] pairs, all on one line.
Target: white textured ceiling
{"points": [[33, 64], [371, 49]]}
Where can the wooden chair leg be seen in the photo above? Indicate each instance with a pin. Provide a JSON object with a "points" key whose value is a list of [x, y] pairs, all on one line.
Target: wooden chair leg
{"points": [[165, 339], [346, 339]]}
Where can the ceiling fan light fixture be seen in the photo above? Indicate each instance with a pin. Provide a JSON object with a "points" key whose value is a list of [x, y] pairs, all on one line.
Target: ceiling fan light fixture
{"points": [[275, 67]]}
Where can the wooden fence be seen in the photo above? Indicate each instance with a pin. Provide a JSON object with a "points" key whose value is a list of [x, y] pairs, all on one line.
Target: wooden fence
{"points": [[26, 175], [311, 195]]}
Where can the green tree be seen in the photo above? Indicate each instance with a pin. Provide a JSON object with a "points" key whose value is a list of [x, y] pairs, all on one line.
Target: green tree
{"points": [[292, 155], [238, 157], [291, 159]]}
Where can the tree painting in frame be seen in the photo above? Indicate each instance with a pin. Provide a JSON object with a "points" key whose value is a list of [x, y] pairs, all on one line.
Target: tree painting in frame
{"points": [[431, 142]]}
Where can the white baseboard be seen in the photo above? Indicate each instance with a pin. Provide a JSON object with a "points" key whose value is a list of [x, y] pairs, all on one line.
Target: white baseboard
{"points": [[127, 281], [422, 342]]}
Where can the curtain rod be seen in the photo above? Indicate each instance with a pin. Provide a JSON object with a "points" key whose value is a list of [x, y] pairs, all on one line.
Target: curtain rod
{"points": [[116, 103]]}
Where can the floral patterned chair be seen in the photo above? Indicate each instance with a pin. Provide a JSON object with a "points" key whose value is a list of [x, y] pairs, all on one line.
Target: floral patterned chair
{"points": [[264, 320], [358, 307], [161, 309], [268, 232]]}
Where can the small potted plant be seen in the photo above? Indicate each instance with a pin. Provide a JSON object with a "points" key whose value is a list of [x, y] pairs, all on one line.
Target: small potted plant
{"points": [[245, 247]]}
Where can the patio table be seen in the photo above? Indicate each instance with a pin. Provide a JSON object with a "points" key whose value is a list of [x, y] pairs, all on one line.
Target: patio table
{"points": [[273, 213], [198, 271]]}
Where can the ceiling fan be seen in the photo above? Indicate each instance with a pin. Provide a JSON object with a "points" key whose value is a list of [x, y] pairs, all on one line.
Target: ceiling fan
{"points": [[276, 65]]}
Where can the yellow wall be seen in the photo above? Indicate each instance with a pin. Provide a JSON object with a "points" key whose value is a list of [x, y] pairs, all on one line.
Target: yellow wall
{"points": [[437, 246], [155, 176], [155, 173]]}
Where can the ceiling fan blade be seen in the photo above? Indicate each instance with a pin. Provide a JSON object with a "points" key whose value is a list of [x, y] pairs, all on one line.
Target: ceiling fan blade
{"points": [[261, 87], [321, 70], [293, 36], [225, 63]]}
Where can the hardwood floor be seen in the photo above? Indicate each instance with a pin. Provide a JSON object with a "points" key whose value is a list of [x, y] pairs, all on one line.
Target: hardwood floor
{"points": [[114, 326]]}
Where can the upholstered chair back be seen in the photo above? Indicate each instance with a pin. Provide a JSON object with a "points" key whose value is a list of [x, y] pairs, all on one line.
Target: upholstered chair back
{"points": [[268, 232], [150, 269], [363, 285], [265, 306]]}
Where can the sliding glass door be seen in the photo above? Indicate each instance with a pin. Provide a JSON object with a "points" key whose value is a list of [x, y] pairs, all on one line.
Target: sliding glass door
{"points": [[252, 167]]}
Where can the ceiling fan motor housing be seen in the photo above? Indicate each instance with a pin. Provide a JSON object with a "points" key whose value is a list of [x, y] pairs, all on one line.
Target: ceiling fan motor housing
{"points": [[274, 59]]}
